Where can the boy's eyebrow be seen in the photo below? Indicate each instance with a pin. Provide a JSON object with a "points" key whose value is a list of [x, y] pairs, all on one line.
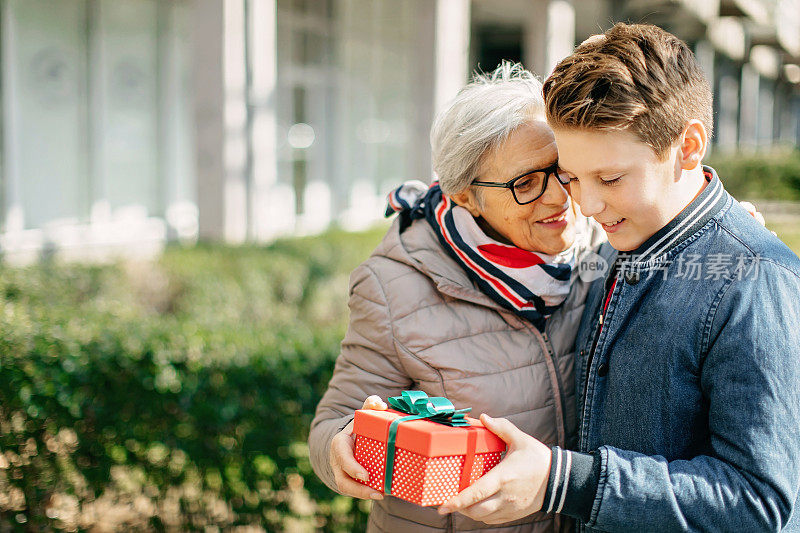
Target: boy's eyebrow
{"points": [[595, 172]]}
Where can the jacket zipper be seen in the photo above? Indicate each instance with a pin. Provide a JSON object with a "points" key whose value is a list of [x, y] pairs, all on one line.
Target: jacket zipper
{"points": [[559, 381], [548, 352]]}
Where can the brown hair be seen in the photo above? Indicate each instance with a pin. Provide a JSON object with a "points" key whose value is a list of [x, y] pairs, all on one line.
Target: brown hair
{"points": [[635, 77]]}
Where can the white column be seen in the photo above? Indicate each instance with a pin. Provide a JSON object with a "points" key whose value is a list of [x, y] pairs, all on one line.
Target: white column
{"points": [[452, 49], [748, 106], [726, 128], [549, 35], [220, 117], [423, 92], [266, 213], [766, 111], [208, 79], [12, 211], [236, 188], [767, 62]]}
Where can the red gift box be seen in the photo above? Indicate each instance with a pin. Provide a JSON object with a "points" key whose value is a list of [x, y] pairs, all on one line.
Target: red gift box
{"points": [[433, 462]]}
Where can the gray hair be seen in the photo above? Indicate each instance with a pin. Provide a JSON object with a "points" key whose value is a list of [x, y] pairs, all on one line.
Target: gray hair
{"points": [[479, 119]]}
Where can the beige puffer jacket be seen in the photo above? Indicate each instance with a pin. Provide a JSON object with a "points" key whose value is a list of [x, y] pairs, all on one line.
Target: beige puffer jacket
{"points": [[418, 322]]}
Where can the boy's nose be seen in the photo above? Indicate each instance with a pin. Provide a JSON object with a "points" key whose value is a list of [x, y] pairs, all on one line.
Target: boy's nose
{"points": [[590, 203]]}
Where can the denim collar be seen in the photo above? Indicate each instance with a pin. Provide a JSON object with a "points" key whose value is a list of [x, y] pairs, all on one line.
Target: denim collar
{"points": [[693, 217]]}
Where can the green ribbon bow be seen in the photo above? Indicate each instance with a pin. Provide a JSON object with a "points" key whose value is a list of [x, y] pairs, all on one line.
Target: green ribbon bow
{"points": [[417, 404]]}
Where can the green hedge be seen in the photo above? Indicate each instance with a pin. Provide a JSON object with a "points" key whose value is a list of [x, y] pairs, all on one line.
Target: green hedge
{"points": [[172, 395], [773, 175]]}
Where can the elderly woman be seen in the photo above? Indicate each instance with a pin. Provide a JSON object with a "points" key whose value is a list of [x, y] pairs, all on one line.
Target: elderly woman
{"points": [[473, 294]]}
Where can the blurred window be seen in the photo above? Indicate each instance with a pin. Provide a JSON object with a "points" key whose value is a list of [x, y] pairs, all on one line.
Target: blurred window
{"points": [[346, 70], [45, 114], [95, 108]]}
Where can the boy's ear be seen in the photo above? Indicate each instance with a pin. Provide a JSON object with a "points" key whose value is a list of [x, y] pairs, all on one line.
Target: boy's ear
{"points": [[468, 201], [694, 142]]}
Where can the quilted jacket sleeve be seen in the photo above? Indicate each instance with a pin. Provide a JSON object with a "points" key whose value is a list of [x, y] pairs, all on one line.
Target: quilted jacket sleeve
{"points": [[368, 364]]}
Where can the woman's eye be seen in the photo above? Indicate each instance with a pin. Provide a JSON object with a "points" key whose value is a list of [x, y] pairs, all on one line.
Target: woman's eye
{"points": [[524, 184], [611, 181]]}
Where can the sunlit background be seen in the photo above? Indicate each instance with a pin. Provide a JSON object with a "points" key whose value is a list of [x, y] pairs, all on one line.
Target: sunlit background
{"points": [[130, 123]]}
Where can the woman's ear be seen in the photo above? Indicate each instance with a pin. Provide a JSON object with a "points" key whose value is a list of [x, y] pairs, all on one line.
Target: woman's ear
{"points": [[468, 200], [694, 142]]}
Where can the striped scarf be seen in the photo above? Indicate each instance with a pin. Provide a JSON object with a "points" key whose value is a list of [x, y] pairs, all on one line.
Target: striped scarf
{"points": [[532, 285]]}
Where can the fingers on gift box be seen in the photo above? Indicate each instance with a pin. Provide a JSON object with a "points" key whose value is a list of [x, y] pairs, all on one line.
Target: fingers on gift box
{"points": [[433, 454]]}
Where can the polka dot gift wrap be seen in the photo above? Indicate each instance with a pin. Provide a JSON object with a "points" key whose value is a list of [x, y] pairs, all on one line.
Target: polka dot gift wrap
{"points": [[433, 462]]}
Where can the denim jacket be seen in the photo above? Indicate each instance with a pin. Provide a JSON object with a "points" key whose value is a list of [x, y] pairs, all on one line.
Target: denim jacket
{"points": [[689, 393]]}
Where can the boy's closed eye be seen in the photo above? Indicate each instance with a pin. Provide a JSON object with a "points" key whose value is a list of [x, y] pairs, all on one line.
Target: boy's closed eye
{"points": [[604, 181], [611, 181]]}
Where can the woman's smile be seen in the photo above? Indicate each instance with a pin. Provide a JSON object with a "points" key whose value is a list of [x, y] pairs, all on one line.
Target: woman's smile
{"points": [[559, 220]]}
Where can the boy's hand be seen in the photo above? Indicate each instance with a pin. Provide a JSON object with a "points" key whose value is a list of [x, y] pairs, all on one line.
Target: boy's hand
{"points": [[343, 462], [514, 488]]}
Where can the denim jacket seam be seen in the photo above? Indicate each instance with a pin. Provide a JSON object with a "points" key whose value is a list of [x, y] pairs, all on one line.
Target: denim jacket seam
{"points": [[598, 497], [780, 266], [737, 238], [708, 324]]}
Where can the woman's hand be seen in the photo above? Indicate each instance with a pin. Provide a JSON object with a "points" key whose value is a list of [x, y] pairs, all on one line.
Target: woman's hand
{"points": [[343, 463], [754, 212], [375, 403], [512, 489]]}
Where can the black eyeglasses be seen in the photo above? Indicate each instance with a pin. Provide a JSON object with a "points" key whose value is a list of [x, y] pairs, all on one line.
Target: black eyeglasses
{"points": [[530, 186]]}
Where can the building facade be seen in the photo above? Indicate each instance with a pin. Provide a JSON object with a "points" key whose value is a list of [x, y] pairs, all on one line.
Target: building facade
{"points": [[96, 126], [130, 123]]}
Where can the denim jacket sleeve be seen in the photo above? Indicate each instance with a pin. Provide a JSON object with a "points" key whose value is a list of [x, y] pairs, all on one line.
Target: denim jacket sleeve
{"points": [[750, 378]]}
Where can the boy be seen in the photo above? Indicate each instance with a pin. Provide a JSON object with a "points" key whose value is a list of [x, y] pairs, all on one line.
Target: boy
{"points": [[688, 357]]}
